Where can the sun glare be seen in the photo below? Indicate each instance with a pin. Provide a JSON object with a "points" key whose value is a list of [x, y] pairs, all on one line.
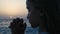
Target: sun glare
{"points": [[11, 16]]}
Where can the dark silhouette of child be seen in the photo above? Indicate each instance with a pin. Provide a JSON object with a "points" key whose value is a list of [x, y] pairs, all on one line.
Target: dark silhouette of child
{"points": [[17, 26]]}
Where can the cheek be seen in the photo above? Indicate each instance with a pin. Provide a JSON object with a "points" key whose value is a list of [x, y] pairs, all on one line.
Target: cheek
{"points": [[34, 21], [34, 18]]}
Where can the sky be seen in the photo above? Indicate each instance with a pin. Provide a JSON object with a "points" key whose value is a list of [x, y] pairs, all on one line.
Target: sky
{"points": [[13, 8]]}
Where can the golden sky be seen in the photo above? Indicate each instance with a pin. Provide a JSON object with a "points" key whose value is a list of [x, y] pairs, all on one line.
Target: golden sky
{"points": [[13, 8]]}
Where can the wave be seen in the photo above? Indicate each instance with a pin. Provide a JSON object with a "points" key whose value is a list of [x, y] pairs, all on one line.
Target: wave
{"points": [[29, 30]]}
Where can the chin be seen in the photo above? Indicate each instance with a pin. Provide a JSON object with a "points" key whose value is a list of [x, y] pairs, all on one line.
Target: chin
{"points": [[33, 24]]}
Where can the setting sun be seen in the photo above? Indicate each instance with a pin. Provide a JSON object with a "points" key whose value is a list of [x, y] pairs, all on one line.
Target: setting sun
{"points": [[11, 16]]}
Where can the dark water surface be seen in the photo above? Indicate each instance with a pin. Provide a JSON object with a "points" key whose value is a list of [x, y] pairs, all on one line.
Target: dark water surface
{"points": [[5, 30]]}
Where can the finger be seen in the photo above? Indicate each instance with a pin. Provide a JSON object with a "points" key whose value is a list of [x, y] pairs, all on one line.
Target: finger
{"points": [[18, 19], [14, 20]]}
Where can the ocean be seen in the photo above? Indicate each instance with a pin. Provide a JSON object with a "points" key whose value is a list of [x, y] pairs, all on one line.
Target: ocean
{"points": [[4, 23]]}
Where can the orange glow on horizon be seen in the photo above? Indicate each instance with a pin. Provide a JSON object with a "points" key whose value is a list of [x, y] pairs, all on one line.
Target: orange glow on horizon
{"points": [[13, 7]]}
